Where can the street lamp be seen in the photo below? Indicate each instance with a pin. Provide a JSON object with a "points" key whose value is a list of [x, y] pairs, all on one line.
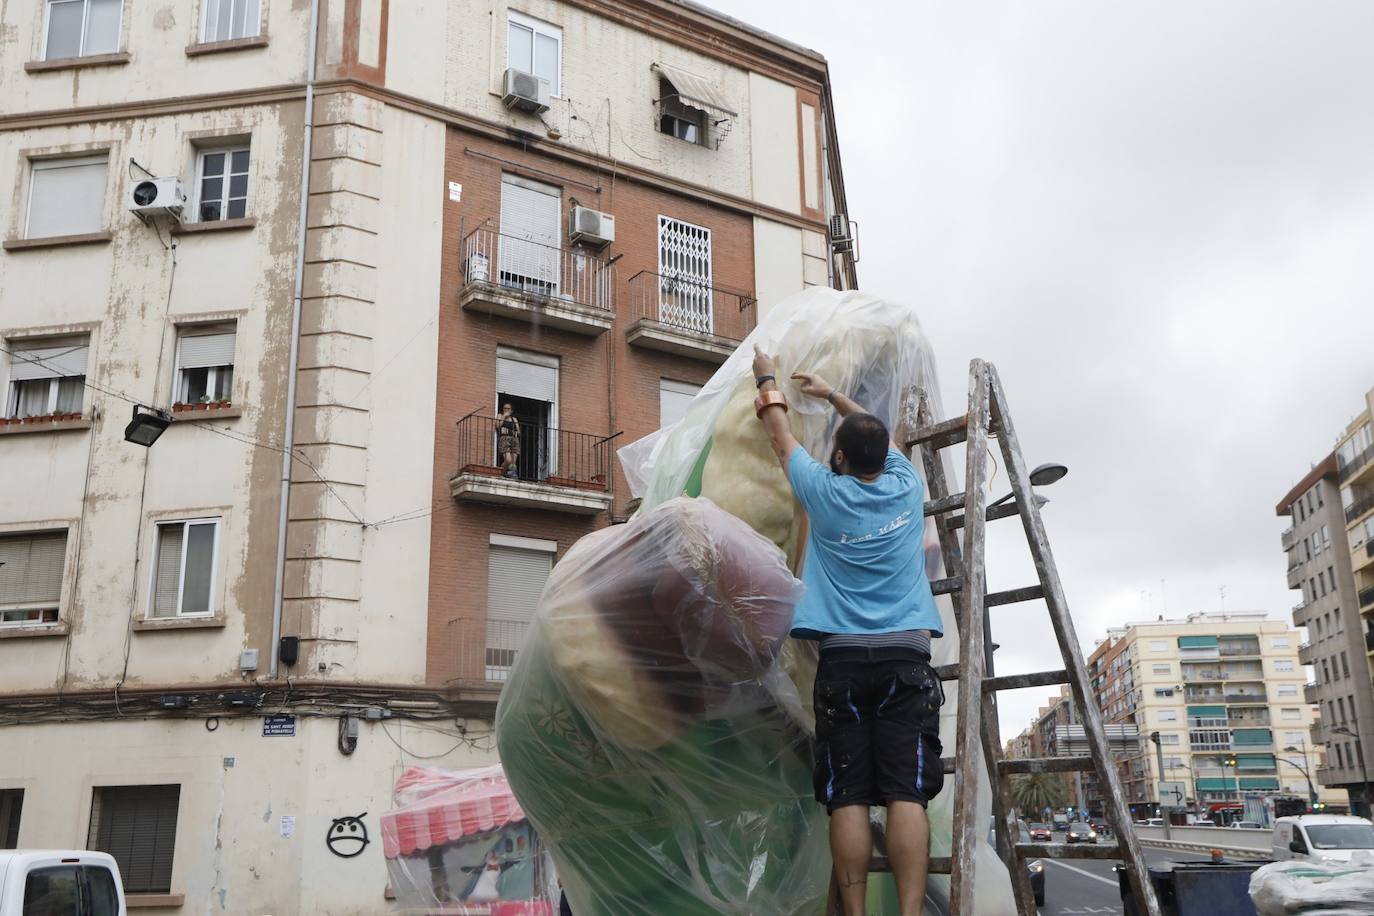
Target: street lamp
{"points": [[1234, 764], [1042, 476], [1359, 751], [147, 424], [1311, 789]]}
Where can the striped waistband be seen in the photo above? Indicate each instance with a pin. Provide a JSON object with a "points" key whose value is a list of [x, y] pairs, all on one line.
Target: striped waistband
{"points": [[914, 640]]}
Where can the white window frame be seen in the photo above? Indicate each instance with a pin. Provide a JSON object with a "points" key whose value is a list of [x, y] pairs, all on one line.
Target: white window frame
{"points": [[1287, 691], [1167, 715], [205, 6], [85, 17], [41, 608], [1284, 666], [1280, 642], [1285, 717], [538, 27], [60, 162], [228, 151], [212, 372], [1155, 668], [54, 384], [211, 604], [1159, 645]]}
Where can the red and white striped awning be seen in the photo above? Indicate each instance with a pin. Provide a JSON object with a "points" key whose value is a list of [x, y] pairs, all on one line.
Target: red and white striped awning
{"points": [[442, 809]]}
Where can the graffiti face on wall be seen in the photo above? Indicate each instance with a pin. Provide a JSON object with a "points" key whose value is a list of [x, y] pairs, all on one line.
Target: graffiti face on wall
{"points": [[347, 836]]}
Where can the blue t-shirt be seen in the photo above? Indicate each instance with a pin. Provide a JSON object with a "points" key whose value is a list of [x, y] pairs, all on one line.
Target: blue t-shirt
{"points": [[864, 569]]}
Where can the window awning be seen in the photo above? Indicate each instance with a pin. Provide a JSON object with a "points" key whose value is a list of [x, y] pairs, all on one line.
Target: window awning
{"points": [[1197, 642], [697, 92]]}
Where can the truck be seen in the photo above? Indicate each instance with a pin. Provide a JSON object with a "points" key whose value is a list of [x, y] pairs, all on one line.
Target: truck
{"points": [[1061, 822], [1321, 837], [60, 882]]}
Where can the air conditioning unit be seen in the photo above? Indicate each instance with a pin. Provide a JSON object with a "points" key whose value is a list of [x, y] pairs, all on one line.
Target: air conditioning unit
{"points": [[840, 237], [524, 91], [157, 195], [592, 227]]}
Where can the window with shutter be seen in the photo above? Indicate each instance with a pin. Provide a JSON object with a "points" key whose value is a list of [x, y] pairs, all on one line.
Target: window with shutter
{"points": [[31, 577], [47, 376], [515, 580], [66, 196], [205, 363], [529, 253], [684, 267], [184, 571], [137, 825], [673, 400]]}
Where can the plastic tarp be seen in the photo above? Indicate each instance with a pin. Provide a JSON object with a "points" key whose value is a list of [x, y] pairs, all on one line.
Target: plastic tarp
{"points": [[457, 842], [1315, 889], [656, 726]]}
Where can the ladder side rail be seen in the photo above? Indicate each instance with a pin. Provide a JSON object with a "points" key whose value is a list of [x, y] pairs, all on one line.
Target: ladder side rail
{"points": [[1004, 812], [1117, 811]]}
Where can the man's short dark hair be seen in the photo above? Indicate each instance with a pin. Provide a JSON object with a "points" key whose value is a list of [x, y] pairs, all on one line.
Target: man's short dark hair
{"points": [[863, 438]]}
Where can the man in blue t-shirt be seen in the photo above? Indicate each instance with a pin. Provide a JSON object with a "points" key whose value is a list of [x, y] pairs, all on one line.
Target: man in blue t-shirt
{"points": [[868, 602]]}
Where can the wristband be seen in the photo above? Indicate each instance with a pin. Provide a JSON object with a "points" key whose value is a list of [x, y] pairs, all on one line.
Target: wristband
{"points": [[769, 399], [760, 379], [830, 398]]}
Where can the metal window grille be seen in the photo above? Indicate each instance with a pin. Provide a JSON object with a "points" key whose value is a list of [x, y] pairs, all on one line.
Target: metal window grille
{"points": [[684, 266]]}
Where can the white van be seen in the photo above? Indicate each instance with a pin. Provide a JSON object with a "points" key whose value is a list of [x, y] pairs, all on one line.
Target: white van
{"points": [[57, 882], [1321, 837]]}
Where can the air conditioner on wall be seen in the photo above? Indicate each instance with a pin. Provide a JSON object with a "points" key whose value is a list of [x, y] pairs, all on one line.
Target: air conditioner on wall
{"points": [[524, 91], [157, 195], [591, 227]]}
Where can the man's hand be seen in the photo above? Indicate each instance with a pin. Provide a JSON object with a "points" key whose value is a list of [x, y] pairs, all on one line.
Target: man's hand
{"points": [[813, 385], [763, 363]]}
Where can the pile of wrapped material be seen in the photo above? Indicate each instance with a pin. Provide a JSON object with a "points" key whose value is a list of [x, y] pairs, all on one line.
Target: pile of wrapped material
{"points": [[1315, 889]]}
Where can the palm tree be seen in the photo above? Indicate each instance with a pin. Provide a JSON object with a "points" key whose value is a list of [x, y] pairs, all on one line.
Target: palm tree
{"points": [[1032, 793]]}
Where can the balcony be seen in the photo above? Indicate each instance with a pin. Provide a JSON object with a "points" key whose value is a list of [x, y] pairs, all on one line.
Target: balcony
{"points": [[1362, 462], [1304, 653], [1248, 718], [1360, 558], [515, 278], [1367, 597], [1309, 692], [1359, 507], [1247, 698], [1203, 696], [555, 469], [1300, 614], [1369, 641], [1241, 648], [1295, 576], [685, 317], [487, 647], [1287, 539]]}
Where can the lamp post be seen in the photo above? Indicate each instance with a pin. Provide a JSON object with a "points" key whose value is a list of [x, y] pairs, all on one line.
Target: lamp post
{"points": [[1042, 476], [1359, 752], [1311, 789], [1231, 761]]}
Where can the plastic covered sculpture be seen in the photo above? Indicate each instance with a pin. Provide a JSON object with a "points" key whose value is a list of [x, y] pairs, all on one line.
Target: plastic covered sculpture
{"points": [[459, 842], [656, 726]]}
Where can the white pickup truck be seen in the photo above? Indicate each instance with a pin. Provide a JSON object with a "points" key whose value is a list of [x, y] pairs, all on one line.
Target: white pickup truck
{"points": [[1321, 837], [59, 882]]}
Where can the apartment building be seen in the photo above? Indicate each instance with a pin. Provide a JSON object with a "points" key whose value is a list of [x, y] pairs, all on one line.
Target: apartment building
{"points": [[1330, 551], [1225, 694], [218, 651]]}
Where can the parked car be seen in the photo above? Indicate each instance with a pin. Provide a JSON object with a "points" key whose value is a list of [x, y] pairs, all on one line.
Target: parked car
{"points": [[1035, 867], [1151, 822], [1321, 837], [1080, 832], [60, 882], [1040, 833], [1248, 825]]}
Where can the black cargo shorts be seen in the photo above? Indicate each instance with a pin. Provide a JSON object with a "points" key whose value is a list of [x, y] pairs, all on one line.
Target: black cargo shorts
{"points": [[877, 727]]}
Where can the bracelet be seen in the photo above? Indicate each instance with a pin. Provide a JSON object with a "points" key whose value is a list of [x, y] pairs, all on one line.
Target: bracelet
{"points": [[760, 379], [830, 398], [769, 399]]}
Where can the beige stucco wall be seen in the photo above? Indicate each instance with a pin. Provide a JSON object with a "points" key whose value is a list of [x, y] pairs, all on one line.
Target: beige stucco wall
{"points": [[777, 262]]}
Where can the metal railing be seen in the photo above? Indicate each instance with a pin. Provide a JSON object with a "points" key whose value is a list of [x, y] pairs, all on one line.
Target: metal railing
{"points": [[1246, 697], [557, 457], [1367, 596], [534, 269], [1240, 649], [487, 647], [687, 304], [1286, 539], [1369, 640], [1356, 465], [1359, 507]]}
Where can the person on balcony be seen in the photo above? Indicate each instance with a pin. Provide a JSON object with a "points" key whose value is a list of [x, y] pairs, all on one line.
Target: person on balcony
{"points": [[508, 441]]}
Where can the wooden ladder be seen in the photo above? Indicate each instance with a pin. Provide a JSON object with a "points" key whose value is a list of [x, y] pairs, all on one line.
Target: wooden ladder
{"points": [[966, 583]]}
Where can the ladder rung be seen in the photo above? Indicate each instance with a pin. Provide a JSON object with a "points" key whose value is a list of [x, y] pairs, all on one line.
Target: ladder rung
{"points": [[947, 764], [944, 504], [939, 865], [1018, 681], [1069, 850], [1075, 764], [941, 435], [1014, 596], [946, 586], [1006, 510], [948, 672]]}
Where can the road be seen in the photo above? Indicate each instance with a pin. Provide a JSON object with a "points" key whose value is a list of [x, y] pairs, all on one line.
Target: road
{"points": [[1087, 887]]}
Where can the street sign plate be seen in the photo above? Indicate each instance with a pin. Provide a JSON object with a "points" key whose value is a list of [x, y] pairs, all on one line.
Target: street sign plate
{"points": [[279, 726], [1173, 794]]}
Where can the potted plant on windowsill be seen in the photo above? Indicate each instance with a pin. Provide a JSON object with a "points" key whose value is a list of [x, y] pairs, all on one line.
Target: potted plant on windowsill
{"points": [[202, 404], [180, 407]]}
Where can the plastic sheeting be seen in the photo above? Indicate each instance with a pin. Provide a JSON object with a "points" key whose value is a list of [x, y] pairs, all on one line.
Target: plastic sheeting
{"points": [[1314, 889], [458, 843], [656, 726]]}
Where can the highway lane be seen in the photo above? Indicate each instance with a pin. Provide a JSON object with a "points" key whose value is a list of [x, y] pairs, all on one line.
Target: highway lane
{"points": [[1087, 887]]}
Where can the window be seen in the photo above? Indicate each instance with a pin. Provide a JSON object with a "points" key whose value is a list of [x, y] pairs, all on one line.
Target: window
{"points": [[1337, 749], [205, 363], [184, 568], [1159, 645], [1168, 739], [1168, 715], [1289, 714], [1164, 691], [1347, 498], [1294, 739], [678, 120], [528, 256], [1284, 666], [1336, 620], [1326, 537], [1161, 669], [535, 47], [517, 569], [1279, 643], [221, 184], [1340, 704], [63, 888], [1288, 690], [226, 20], [31, 577], [66, 196], [11, 806], [529, 383], [78, 28], [47, 376], [673, 400], [684, 267], [1326, 672], [1345, 665], [137, 825]]}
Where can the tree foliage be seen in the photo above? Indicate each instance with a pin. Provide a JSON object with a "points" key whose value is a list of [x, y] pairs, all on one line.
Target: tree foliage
{"points": [[1032, 793]]}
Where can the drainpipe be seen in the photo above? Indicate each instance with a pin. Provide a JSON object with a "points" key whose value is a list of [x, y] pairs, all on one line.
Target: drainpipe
{"points": [[289, 439]]}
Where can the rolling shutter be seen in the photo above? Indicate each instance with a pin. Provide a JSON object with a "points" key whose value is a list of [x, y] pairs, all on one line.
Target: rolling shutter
{"points": [[49, 359], [167, 581], [526, 380], [67, 196], [673, 400], [202, 351], [32, 570], [137, 825], [515, 580], [529, 224]]}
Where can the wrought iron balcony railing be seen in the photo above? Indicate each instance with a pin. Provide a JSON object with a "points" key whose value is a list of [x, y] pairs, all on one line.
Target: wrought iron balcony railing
{"points": [[543, 454], [687, 304], [533, 268]]}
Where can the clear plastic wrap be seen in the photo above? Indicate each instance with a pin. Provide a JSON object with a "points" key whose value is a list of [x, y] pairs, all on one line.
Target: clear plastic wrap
{"points": [[1316, 888], [656, 727], [458, 843]]}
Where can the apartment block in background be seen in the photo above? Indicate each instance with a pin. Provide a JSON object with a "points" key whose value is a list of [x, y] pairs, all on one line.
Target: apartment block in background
{"points": [[331, 272]]}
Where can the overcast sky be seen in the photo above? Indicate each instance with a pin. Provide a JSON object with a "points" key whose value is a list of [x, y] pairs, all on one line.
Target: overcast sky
{"points": [[1157, 219]]}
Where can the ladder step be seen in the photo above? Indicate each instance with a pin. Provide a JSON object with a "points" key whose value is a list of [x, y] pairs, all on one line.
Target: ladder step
{"points": [[947, 672], [947, 764], [1018, 681], [946, 586], [941, 435], [1082, 764], [944, 504], [1006, 510], [939, 865], [1069, 851], [1014, 596]]}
